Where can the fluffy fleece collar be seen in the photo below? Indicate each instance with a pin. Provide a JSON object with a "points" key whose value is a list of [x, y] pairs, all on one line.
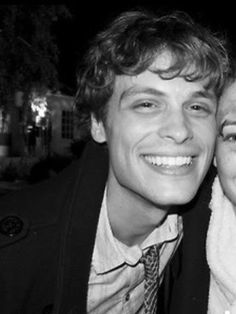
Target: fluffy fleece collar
{"points": [[221, 253]]}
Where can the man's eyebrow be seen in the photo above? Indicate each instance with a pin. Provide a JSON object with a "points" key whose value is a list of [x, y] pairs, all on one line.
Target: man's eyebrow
{"points": [[204, 94], [135, 90]]}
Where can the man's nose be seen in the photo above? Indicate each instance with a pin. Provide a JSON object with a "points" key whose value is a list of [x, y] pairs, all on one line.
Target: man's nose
{"points": [[176, 127]]}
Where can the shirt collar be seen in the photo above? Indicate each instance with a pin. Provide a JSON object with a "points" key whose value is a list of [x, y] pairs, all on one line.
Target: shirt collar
{"points": [[109, 253]]}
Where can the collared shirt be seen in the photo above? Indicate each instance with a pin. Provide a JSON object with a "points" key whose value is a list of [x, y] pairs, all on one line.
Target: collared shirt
{"points": [[116, 283]]}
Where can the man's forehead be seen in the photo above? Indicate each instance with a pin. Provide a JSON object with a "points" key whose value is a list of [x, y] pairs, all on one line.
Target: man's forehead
{"points": [[164, 61], [148, 79]]}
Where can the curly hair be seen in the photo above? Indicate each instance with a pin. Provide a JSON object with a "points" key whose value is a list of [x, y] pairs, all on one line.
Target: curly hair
{"points": [[130, 45]]}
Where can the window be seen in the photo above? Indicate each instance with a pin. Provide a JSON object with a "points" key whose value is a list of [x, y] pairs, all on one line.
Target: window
{"points": [[67, 124]]}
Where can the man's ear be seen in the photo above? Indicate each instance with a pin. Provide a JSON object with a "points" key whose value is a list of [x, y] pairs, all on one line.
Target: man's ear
{"points": [[214, 161], [97, 130]]}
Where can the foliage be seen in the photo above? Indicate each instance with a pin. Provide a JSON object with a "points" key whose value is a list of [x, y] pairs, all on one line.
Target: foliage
{"points": [[28, 48]]}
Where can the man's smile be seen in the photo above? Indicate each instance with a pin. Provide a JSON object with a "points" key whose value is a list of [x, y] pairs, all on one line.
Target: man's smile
{"points": [[168, 161]]}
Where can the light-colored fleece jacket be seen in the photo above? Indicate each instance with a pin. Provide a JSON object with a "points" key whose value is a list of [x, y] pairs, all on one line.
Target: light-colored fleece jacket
{"points": [[221, 253]]}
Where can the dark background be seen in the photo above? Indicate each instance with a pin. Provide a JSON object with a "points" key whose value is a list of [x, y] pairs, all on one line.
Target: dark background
{"points": [[90, 17]]}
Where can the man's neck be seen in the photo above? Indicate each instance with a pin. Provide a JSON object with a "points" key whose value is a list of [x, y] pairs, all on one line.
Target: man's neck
{"points": [[132, 218]]}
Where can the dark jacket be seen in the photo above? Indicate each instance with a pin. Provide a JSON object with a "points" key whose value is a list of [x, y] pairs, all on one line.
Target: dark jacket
{"points": [[47, 235], [187, 277]]}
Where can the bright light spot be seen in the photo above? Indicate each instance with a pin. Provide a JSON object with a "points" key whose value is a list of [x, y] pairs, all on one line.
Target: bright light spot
{"points": [[39, 107]]}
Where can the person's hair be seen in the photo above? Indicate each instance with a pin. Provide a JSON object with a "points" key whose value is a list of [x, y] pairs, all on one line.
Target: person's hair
{"points": [[130, 45], [231, 75]]}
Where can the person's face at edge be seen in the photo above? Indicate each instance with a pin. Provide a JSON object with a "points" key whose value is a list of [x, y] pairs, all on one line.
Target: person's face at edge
{"points": [[225, 155], [160, 136]]}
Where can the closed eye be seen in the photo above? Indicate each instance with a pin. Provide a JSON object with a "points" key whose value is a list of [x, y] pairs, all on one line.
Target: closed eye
{"points": [[231, 137], [228, 132]]}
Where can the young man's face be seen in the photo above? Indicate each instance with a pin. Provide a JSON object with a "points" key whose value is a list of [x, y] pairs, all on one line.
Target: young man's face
{"points": [[226, 142], [160, 136]]}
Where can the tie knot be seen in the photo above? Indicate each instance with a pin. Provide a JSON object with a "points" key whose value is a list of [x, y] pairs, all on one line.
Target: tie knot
{"points": [[151, 262], [151, 254]]}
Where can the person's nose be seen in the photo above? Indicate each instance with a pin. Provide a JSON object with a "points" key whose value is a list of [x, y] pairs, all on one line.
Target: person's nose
{"points": [[176, 127]]}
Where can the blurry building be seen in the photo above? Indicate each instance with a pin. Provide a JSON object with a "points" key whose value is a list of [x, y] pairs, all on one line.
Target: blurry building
{"points": [[44, 126]]}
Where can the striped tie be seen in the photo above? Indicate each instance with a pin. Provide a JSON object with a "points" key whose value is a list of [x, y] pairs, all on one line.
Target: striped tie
{"points": [[151, 266]]}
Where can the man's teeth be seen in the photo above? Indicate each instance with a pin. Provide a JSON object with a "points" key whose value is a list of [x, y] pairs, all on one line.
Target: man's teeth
{"points": [[169, 161]]}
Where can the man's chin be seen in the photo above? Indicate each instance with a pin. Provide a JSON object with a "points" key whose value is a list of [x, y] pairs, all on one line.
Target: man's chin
{"points": [[179, 198]]}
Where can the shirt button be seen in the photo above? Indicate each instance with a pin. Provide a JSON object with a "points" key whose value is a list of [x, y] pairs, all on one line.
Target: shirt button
{"points": [[127, 297]]}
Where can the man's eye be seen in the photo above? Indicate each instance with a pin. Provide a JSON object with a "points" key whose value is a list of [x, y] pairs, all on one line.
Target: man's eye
{"points": [[196, 107], [146, 106], [199, 107]]}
